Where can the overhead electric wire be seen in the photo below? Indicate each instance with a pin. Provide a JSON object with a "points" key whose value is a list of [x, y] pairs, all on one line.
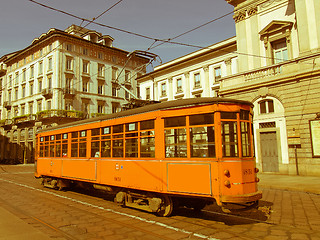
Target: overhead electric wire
{"points": [[103, 13], [157, 39]]}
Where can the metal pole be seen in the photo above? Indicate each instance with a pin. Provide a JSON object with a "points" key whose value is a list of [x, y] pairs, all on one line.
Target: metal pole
{"points": [[296, 157]]}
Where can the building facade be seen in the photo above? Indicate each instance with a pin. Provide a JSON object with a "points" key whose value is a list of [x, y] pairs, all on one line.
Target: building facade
{"points": [[274, 62], [61, 77]]}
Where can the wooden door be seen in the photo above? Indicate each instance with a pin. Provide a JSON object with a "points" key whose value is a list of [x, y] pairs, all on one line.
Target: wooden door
{"points": [[269, 152]]}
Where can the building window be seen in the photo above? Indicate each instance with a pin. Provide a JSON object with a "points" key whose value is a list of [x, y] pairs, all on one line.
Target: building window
{"points": [[49, 105], [85, 51], [68, 105], [23, 110], [69, 47], [17, 78], [69, 64], [50, 82], [85, 85], [148, 96], [16, 94], [23, 91], [100, 88], [31, 89], [266, 106], [197, 80], [40, 85], [100, 55], [179, 85], [24, 75], [280, 51], [217, 74], [114, 73], [10, 81], [32, 71], [85, 107], [30, 107], [85, 67], [9, 97], [39, 106], [40, 68], [100, 108], [115, 107], [114, 90], [100, 70], [163, 89], [50, 64], [127, 76]]}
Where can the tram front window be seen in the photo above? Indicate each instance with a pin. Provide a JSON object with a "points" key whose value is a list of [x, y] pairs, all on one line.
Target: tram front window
{"points": [[229, 139]]}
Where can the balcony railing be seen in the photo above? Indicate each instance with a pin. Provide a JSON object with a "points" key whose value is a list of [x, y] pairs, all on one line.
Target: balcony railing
{"points": [[24, 118], [47, 93], [60, 113], [70, 93]]}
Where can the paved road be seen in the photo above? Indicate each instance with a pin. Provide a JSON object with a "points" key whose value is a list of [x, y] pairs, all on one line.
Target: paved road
{"points": [[81, 215]]}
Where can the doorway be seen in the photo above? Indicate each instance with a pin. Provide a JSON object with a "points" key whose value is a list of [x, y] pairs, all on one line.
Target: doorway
{"points": [[269, 152]]}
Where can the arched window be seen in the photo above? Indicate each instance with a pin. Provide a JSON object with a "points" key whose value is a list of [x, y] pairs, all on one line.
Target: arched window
{"points": [[266, 106]]}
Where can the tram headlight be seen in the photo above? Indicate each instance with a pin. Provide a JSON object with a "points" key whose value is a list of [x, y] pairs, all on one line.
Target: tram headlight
{"points": [[227, 183], [226, 173]]}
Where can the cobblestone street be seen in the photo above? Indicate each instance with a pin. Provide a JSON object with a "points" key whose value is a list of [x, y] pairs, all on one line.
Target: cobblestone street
{"points": [[80, 215]]}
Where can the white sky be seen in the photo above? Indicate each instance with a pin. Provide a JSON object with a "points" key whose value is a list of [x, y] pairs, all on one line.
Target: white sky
{"points": [[21, 21]]}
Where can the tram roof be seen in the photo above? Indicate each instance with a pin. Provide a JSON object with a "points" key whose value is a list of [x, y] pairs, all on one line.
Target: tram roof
{"points": [[186, 102]]}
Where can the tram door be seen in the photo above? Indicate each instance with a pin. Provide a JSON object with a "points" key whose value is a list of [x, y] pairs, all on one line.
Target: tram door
{"points": [[269, 152]]}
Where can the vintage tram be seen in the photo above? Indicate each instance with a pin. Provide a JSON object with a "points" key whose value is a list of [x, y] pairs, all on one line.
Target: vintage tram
{"points": [[188, 152]]}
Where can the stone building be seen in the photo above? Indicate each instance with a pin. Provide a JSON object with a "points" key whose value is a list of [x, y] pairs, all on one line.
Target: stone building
{"points": [[63, 76], [274, 62]]}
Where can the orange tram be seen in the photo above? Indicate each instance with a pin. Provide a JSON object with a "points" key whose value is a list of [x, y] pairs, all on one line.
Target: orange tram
{"points": [[188, 152]]}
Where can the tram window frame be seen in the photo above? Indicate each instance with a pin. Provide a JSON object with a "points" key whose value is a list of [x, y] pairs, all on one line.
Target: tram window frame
{"points": [[201, 122], [58, 146], [229, 148], [147, 139], [105, 143], [79, 144], [95, 142], [117, 141], [246, 140], [131, 140], [64, 145], [176, 128]]}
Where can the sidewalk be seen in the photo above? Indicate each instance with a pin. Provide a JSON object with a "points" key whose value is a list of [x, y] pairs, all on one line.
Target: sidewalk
{"points": [[289, 182], [13, 228]]}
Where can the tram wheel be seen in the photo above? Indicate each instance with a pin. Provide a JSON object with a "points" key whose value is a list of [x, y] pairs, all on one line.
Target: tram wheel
{"points": [[166, 208]]}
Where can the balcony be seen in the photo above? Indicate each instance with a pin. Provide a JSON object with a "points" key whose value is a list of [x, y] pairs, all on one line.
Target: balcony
{"points": [[69, 93], [270, 75], [6, 122], [24, 118], [47, 93], [60, 114]]}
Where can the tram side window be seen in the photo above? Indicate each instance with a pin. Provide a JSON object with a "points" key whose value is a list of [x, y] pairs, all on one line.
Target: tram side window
{"points": [[202, 138], [245, 139], [147, 143], [229, 139], [95, 142], [175, 137], [79, 144], [51, 148], [74, 144], [117, 141], [131, 140], [65, 145], [106, 142], [41, 152], [58, 146], [46, 146]]}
